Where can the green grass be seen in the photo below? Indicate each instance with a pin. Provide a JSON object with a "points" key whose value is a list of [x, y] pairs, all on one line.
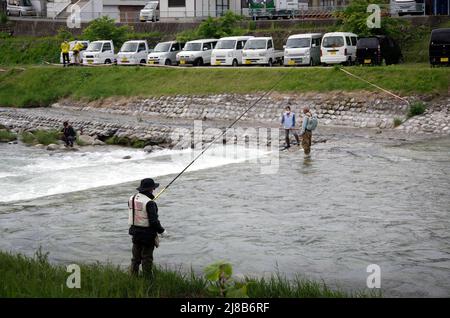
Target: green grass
{"points": [[40, 86], [29, 50], [397, 122], [35, 277], [6, 135], [124, 141], [416, 108], [45, 137]]}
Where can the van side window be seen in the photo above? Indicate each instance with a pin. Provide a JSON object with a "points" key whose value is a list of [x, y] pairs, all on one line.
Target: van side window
{"points": [[269, 44], [106, 47], [175, 47], [141, 47], [239, 45], [347, 40], [213, 44], [207, 46], [354, 40]]}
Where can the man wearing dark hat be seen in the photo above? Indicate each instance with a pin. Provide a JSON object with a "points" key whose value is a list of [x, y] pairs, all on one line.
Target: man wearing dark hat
{"points": [[144, 226]]}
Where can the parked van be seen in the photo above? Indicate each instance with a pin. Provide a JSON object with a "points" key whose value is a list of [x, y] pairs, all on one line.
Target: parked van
{"points": [[228, 51], [261, 51], [71, 57], [165, 53], [338, 48], [150, 12], [20, 8], [196, 52], [133, 53], [374, 50], [440, 47], [303, 49], [99, 52]]}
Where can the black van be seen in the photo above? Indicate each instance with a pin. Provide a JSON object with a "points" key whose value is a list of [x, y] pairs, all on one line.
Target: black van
{"points": [[373, 50], [440, 47]]}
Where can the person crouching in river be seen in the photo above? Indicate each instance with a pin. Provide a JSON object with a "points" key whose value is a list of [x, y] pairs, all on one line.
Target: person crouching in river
{"points": [[69, 134], [144, 227]]}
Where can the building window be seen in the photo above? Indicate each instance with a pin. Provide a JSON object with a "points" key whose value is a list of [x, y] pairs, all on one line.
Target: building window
{"points": [[177, 3], [222, 6]]}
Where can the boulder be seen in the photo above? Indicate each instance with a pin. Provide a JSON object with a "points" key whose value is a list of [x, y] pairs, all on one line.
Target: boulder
{"points": [[86, 140], [126, 157], [53, 147]]}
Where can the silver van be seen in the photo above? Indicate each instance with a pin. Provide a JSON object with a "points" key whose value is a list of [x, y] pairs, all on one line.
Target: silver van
{"points": [[20, 8], [303, 49]]}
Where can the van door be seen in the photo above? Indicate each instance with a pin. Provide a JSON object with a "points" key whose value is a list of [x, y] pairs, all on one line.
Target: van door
{"points": [[354, 40], [270, 49], [107, 53], [206, 54], [142, 52], [239, 47], [315, 50]]}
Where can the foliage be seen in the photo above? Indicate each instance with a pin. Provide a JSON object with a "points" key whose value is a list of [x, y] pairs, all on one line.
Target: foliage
{"points": [[6, 135], [45, 137], [397, 122], [125, 141], [64, 34], [416, 108], [3, 18], [354, 19], [220, 282], [29, 50], [226, 25], [104, 28]]}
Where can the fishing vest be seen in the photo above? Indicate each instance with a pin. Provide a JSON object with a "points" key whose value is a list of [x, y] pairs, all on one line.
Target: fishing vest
{"points": [[288, 120], [138, 216]]}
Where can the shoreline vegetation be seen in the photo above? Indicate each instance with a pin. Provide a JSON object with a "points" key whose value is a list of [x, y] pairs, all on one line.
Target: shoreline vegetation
{"points": [[29, 86], [23, 276]]}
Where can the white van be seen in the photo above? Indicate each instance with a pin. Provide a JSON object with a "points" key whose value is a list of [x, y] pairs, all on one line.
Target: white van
{"points": [[197, 52], [19, 7], [99, 52], [338, 48], [150, 12], [303, 49], [165, 53], [228, 51], [133, 53], [261, 51]]}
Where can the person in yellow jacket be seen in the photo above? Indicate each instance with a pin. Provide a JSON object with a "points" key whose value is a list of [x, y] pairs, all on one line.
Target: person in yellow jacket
{"points": [[76, 51], [65, 47]]}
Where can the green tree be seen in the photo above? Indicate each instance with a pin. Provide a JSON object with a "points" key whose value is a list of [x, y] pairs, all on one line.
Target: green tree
{"points": [[354, 19], [104, 28]]}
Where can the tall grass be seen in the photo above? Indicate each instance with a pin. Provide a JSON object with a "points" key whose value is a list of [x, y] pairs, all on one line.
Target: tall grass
{"points": [[35, 277], [45, 137], [40, 86], [6, 135]]}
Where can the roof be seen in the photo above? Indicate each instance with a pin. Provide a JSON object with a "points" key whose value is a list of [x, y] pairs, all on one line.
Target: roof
{"points": [[262, 38], [237, 37], [339, 33], [203, 40], [304, 35]]}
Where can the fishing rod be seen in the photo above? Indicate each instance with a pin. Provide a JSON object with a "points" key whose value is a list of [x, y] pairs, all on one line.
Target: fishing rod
{"points": [[219, 136]]}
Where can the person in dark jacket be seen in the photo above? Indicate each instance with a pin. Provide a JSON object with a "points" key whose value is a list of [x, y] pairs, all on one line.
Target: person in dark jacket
{"points": [[144, 227], [69, 134]]}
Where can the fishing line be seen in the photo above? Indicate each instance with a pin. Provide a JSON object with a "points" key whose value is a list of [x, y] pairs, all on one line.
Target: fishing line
{"points": [[222, 134], [374, 85]]}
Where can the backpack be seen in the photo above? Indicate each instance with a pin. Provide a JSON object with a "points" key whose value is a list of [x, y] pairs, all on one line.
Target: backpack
{"points": [[312, 123]]}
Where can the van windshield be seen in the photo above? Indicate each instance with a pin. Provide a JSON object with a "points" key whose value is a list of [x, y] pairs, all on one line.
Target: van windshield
{"points": [[129, 47], [441, 37], [255, 45], [333, 41], [94, 47], [226, 45], [371, 43], [151, 5], [24, 3], [162, 47], [298, 43], [193, 47]]}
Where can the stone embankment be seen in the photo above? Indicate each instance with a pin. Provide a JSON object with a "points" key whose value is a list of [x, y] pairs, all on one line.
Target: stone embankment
{"points": [[155, 120]]}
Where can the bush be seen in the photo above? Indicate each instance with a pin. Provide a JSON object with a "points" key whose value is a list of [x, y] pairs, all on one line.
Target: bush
{"points": [[104, 28], [40, 137], [64, 34], [416, 108], [3, 18], [397, 122], [6, 136], [28, 138], [124, 141]]}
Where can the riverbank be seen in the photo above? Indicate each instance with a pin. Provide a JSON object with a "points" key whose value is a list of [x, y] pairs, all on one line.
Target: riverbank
{"points": [[23, 276], [34, 86]]}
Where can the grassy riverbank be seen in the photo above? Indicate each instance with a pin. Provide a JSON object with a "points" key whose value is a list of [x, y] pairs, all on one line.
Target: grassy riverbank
{"points": [[36, 277], [40, 86]]}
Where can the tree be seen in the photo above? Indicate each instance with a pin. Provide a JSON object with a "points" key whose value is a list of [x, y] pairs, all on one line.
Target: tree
{"points": [[104, 28]]}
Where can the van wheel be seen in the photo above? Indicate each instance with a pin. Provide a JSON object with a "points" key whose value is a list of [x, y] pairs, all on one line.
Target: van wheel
{"points": [[198, 62], [168, 62], [107, 61], [270, 64], [142, 62], [235, 63]]}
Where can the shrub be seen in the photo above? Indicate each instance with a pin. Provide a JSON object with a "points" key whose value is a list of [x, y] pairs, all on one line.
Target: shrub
{"points": [[64, 34], [416, 108], [6, 136], [41, 137], [28, 138], [397, 122], [3, 18], [220, 282], [125, 141], [104, 28]]}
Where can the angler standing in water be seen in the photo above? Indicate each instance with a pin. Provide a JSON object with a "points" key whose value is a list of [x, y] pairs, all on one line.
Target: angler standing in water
{"points": [[309, 124], [144, 227], [288, 122]]}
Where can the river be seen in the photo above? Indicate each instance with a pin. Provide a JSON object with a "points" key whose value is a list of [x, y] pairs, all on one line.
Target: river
{"points": [[356, 202]]}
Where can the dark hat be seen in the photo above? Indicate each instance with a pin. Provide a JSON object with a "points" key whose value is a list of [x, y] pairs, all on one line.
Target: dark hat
{"points": [[147, 184]]}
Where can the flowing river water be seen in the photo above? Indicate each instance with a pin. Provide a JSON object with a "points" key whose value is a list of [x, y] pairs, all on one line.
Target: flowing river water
{"points": [[356, 202]]}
